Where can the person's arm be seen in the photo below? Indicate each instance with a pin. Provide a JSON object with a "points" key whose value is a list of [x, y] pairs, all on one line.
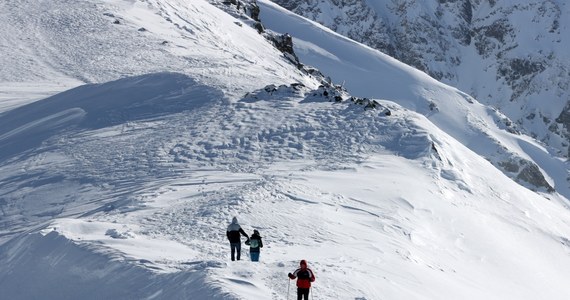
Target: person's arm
{"points": [[243, 233], [312, 275], [294, 274], [260, 243]]}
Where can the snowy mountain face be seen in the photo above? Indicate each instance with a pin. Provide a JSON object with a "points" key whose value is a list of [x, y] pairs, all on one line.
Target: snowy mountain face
{"points": [[367, 73], [511, 55], [131, 132], [97, 42]]}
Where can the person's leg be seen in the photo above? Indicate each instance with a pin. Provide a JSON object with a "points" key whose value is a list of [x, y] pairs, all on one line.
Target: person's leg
{"points": [[306, 293], [254, 256], [299, 294], [238, 249], [233, 246]]}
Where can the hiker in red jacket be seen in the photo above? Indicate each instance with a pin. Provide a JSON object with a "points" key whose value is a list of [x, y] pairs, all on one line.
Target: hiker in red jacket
{"points": [[304, 277]]}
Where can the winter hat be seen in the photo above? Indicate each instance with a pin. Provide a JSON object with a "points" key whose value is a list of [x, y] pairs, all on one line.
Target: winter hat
{"points": [[255, 231], [234, 220], [303, 262]]}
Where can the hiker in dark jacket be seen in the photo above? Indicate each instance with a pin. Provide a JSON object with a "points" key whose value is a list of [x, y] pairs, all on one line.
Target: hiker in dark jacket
{"points": [[233, 234], [255, 244], [304, 277]]}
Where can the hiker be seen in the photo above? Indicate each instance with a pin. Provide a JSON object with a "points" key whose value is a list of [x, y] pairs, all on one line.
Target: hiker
{"points": [[234, 237], [255, 245], [304, 277]]}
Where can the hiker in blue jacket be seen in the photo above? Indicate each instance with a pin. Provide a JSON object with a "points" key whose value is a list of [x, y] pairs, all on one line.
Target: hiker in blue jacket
{"points": [[233, 234]]}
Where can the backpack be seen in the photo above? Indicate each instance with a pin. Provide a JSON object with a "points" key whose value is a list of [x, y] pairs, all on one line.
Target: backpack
{"points": [[254, 243]]}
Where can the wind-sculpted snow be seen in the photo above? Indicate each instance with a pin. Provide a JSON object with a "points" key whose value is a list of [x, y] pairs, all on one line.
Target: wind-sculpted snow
{"points": [[119, 133], [477, 46], [79, 40], [69, 43], [61, 269], [93, 107], [124, 189], [305, 127], [65, 131], [134, 140], [142, 197], [369, 73]]}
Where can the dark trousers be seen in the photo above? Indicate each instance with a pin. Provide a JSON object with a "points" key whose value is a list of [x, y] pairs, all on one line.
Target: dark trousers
{"points": [[302, 292], [254, 256], [236, 247]]}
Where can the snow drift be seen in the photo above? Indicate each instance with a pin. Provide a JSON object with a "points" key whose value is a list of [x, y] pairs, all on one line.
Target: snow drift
{"points": [[130, 183]]}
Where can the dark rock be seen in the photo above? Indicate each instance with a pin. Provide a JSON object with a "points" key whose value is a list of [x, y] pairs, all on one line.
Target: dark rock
{"points": [[564, 119], [259, 27], [531, 174], [254, 11]]}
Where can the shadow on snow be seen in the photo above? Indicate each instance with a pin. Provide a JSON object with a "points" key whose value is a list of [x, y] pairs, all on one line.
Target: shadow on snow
{"points": [[97, 106]]}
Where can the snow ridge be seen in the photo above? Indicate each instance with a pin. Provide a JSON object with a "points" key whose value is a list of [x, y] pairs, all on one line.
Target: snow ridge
{"points": [[507, 54]]}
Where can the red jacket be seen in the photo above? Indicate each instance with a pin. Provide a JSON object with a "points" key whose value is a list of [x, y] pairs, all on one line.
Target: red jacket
{"points": [[304, 277]]}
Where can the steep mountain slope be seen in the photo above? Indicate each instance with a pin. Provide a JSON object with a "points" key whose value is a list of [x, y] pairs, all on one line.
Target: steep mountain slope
{"points": [[68, 35], [69, 43], [508, 54], [369, 73], [123, 188]]}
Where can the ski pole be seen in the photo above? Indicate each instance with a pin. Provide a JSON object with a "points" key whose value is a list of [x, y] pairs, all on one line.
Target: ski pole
{"points": [[288, 285]]}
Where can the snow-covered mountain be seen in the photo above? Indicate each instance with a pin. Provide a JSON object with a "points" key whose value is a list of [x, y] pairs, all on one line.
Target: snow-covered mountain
{"points": [[131, 132], [369, 73], [511, 55]]}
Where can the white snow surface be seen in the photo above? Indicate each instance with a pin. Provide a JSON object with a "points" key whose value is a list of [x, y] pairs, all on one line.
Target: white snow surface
{"points": [[476, 46], [369, 73], [122, 188]]}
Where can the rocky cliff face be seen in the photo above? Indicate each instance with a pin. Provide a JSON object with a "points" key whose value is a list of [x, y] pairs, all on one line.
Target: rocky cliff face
{"points": [[505, 53]]}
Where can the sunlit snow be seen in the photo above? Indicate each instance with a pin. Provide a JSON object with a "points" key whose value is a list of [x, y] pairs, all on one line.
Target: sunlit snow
{"points": [[118, 179]]}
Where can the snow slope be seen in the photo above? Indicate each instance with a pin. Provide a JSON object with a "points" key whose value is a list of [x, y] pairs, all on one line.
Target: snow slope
{"points": [[123, 188], [508, 54], [369, 73], [70, 43]]}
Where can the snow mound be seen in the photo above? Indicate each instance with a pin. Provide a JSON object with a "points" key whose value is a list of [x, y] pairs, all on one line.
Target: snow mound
{"points": [[96, 106], [63, 269]]}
